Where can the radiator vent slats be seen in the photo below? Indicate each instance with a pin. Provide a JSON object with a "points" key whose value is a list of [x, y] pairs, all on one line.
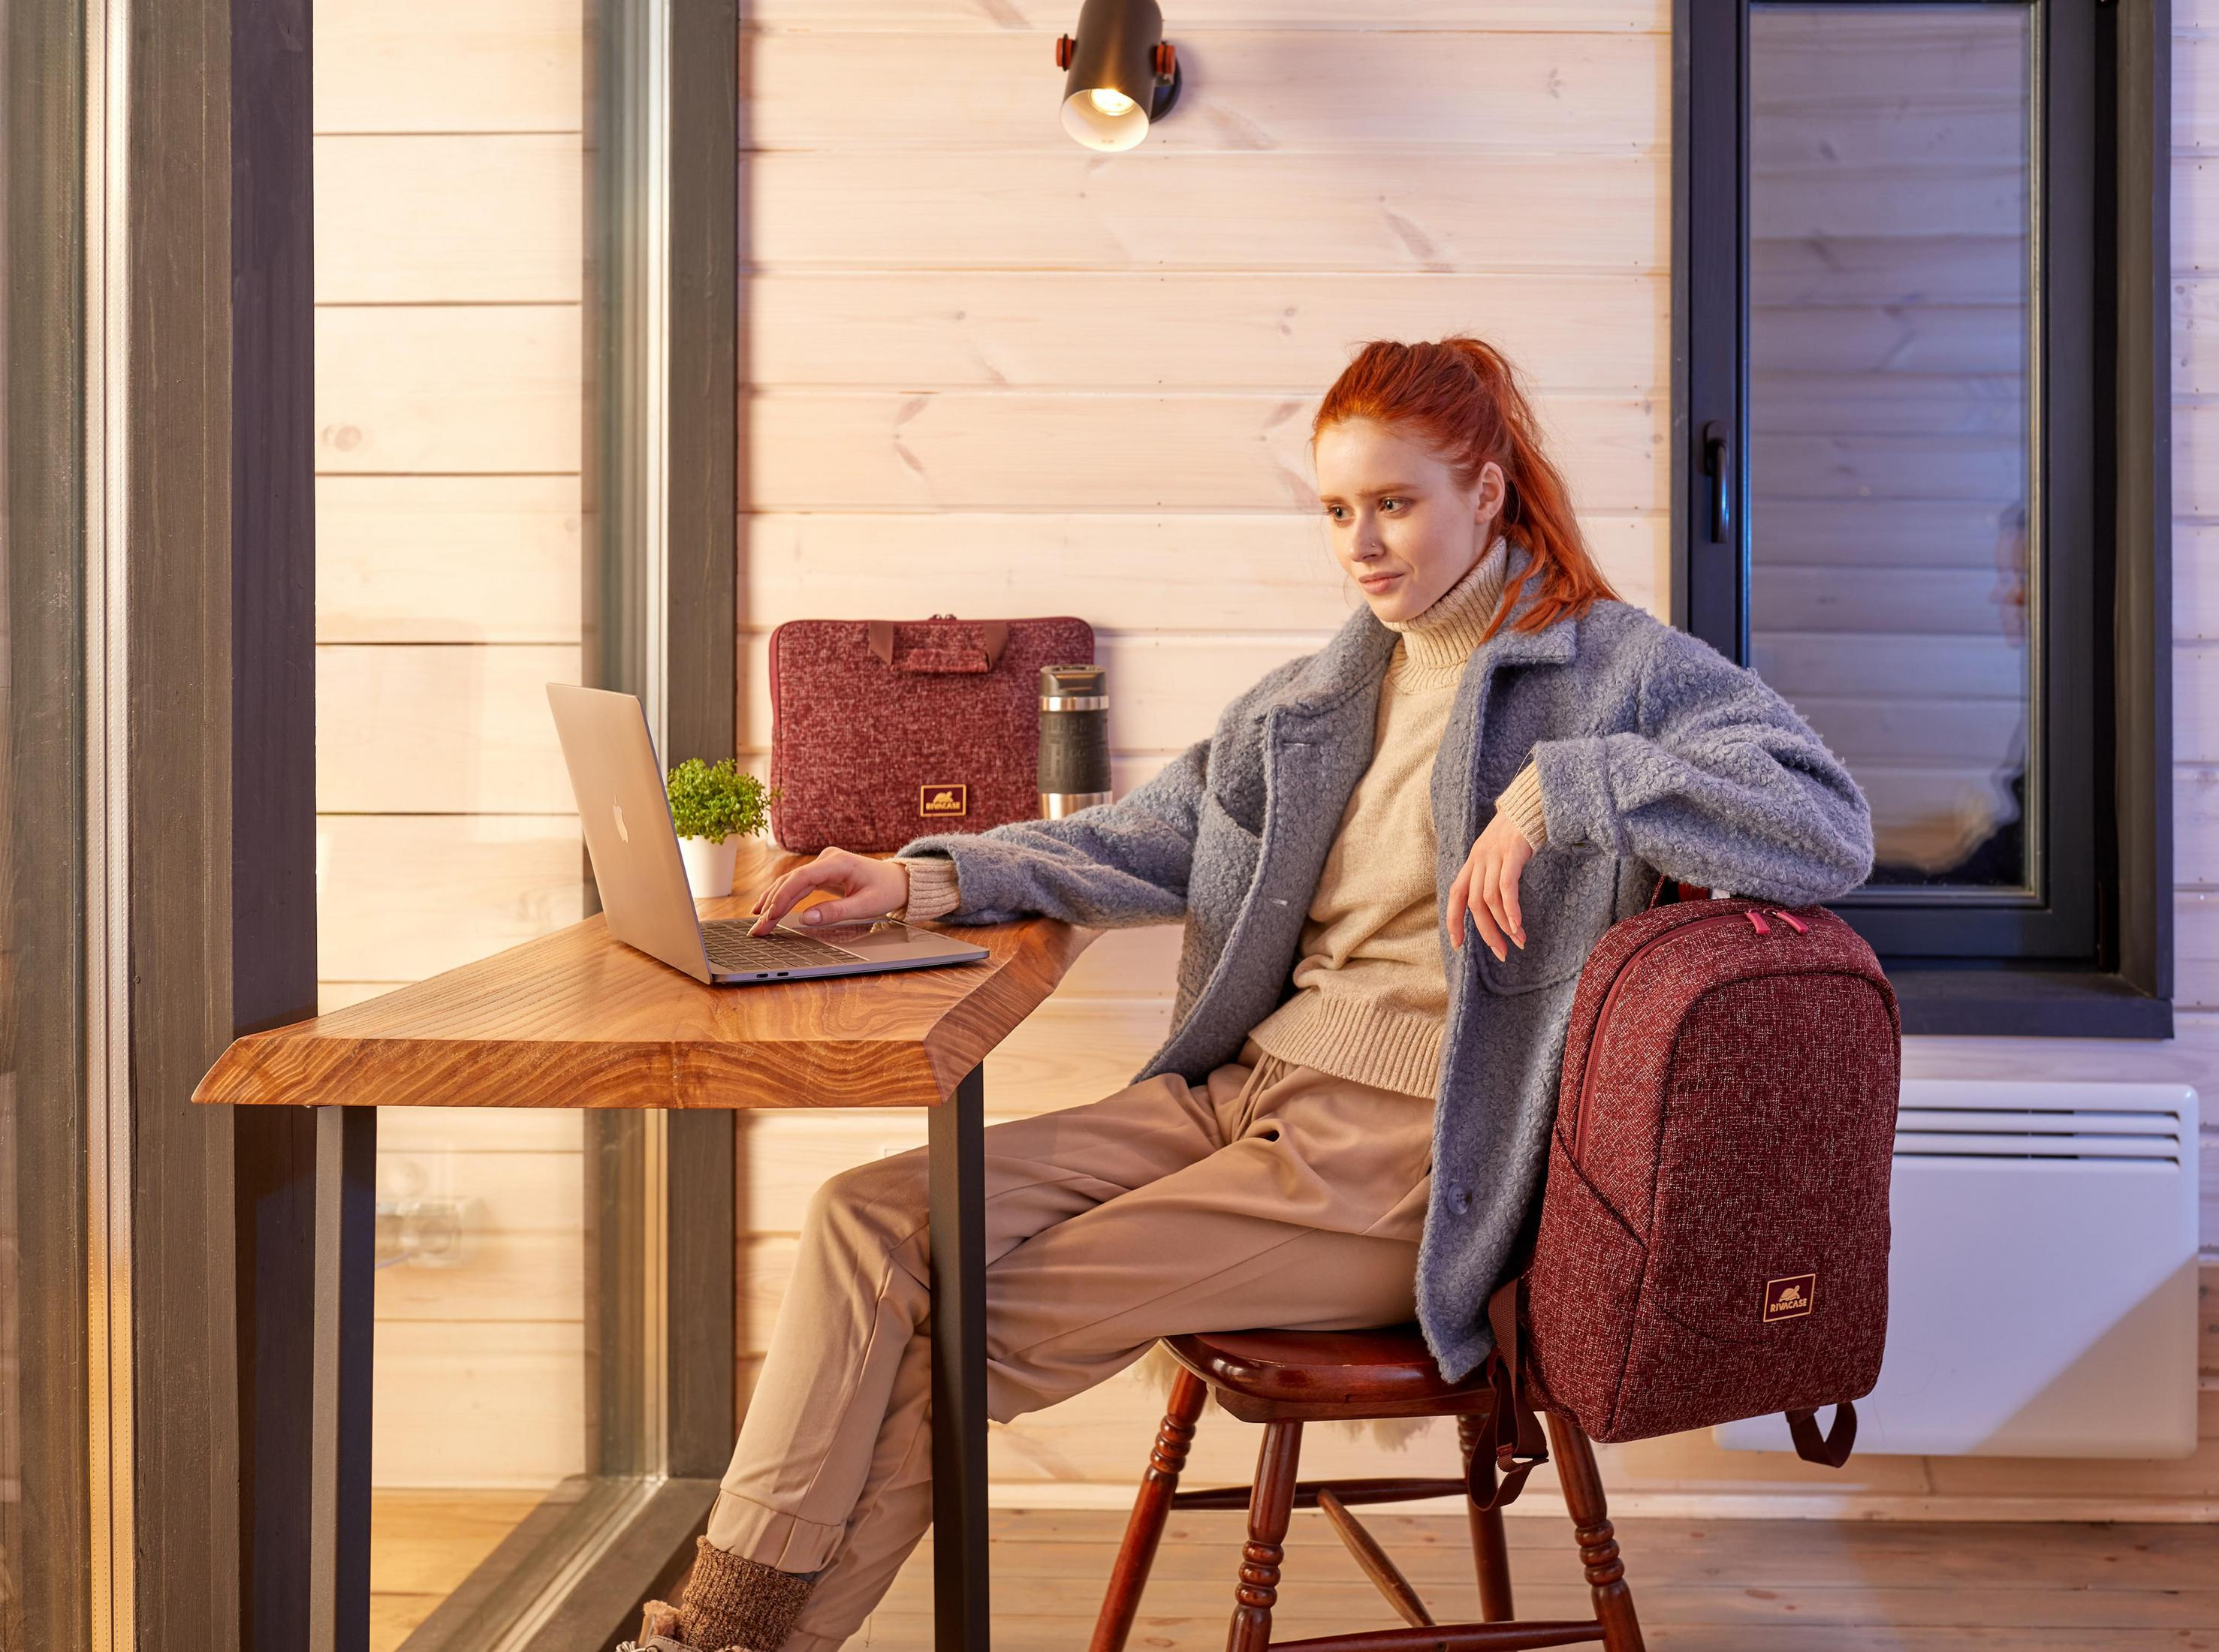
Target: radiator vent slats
{"points": [[2025, 1133]]}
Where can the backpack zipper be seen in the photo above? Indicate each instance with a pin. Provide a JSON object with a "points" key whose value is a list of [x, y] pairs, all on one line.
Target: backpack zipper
{"points": [[1603, 1017]]}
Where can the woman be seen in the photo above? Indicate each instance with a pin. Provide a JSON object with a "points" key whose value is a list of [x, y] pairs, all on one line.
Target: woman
{"points": [[1334, 1035]]}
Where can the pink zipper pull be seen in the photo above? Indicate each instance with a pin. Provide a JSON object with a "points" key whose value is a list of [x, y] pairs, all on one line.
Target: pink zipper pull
{"points": [[1801, 928], [1762, 928]]}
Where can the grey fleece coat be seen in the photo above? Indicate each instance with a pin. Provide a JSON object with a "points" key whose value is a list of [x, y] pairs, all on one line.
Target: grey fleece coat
{"points": [[1656, 755]]}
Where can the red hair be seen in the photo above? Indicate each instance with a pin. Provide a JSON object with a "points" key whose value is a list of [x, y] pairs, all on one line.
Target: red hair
{"points": [[1461, 396]]}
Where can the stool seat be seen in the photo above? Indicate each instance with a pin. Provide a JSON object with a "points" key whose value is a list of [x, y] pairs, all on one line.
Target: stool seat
{"points": [[1262, 1377]]}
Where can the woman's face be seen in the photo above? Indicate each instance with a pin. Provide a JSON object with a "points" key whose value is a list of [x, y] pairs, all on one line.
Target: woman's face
{"points": [[1397, 521]]}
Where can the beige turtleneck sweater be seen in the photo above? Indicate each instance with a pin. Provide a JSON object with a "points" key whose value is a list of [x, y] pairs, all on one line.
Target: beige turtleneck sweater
{"points": [[1371, 1000]]}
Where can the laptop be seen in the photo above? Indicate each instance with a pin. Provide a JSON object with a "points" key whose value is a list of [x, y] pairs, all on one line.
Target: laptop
{"points": [[626, 813]]}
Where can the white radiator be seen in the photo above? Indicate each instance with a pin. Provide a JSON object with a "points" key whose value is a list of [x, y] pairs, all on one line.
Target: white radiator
{"points": [[2042, 1276]]}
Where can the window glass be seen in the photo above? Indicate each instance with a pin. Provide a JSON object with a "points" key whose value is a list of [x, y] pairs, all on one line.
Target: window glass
{"points": [[1891, 412], [450, 158]]}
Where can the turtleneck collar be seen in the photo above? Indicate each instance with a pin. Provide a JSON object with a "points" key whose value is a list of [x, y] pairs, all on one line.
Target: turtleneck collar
{"points": [[1435, 645]]}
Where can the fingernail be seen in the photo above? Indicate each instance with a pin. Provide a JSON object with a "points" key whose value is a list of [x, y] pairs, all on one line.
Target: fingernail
{"points": [[810, 916]]}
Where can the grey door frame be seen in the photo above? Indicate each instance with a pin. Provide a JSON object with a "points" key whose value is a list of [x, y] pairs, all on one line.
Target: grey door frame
{"points": [[233, 1535]]}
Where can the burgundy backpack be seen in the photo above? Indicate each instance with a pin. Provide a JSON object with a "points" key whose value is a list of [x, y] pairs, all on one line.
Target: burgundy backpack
{"points": [[1712, 1238]]}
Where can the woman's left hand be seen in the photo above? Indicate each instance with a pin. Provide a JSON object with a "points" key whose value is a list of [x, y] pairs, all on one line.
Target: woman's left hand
{"points": [[1488, 887]]}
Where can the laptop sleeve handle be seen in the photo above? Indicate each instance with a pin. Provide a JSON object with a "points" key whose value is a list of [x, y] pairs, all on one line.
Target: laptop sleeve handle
{"points": [[996, 636]]}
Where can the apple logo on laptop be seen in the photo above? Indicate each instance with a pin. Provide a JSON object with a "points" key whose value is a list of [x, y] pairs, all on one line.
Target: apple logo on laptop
{"points": [[617, 809]]}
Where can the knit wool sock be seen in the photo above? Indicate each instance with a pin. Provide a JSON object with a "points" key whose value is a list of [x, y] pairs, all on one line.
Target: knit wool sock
{"points": [[732, 1604]]}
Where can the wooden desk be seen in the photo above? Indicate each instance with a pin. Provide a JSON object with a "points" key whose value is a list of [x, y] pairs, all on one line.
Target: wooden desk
{"points": [[575, 1019]]}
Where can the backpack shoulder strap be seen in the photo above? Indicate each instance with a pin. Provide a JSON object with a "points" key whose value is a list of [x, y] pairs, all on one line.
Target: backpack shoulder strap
{"points": [[1514, 1427], [1832, 1450]]}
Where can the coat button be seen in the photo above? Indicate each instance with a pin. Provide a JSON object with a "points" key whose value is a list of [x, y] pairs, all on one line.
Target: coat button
{"points": [[1460, 1199]]}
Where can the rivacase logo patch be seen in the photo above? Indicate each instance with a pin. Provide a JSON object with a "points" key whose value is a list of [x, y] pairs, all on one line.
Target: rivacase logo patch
{"points": [[1790, 1297]]}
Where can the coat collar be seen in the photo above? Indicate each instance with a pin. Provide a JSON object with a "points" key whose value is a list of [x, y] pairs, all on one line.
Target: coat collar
{"points": [[1357, 657]]}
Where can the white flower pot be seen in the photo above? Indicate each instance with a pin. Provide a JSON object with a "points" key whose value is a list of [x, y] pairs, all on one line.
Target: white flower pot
{"points": [[709, 867]]}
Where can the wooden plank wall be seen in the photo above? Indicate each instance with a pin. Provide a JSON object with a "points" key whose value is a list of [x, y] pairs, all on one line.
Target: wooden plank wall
{"points": [[449, 256], [993, 374]]}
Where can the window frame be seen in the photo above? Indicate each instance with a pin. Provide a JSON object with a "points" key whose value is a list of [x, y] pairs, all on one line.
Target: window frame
{"points": [[2092, 954], [55, 1553]]}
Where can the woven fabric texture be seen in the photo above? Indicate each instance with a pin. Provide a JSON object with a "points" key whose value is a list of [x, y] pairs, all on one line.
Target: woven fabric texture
{"points": [[868, 754], [1713, 1234]]}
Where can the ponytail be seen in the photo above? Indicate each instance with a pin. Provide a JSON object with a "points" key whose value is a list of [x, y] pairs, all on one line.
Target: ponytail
{"points": [[1462, 397]]}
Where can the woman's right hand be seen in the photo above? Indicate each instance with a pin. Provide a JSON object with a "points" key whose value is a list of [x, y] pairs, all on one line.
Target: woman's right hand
{"points": [[866, 887]]}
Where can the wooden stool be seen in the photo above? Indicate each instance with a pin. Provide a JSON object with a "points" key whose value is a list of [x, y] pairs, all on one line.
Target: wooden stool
{"points": [[1283, 1379]]}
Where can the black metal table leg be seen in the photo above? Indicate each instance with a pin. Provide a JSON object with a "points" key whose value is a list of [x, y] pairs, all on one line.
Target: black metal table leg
{"points": [[345, 1262], [959, 1610]]}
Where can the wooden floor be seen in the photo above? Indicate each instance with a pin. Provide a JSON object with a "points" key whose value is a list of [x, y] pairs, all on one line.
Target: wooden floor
{"points": [[423, 1544], [1723, 1586]]}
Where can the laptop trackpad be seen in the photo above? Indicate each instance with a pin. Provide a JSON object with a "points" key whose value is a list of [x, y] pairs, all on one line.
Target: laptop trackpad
{"points": [[875, 937]]}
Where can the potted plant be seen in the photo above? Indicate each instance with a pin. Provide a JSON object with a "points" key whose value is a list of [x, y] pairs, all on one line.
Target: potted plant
{"points": [[712, 805]]}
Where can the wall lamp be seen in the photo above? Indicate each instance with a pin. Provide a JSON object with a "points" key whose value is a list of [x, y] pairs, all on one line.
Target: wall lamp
{"points": [[1121, 75]]}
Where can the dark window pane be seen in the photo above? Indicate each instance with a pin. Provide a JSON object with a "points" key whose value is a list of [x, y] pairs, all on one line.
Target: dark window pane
{"points": [[1891, 413]]}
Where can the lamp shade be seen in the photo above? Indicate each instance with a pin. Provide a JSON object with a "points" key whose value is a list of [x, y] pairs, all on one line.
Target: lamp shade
{"points": [[1110, 92]]}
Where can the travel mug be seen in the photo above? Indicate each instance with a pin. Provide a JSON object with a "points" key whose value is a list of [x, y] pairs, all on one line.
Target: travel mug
{"points": [[1074, 739]]}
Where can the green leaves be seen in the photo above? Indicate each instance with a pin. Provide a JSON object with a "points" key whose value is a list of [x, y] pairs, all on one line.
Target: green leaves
{"points": [[714, 800]]}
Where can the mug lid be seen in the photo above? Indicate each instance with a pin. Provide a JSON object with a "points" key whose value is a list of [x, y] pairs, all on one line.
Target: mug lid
{"points": [[1071, 679]]}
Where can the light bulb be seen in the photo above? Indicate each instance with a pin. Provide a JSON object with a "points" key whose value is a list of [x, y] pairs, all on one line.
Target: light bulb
{"points": [[1111, 104]]}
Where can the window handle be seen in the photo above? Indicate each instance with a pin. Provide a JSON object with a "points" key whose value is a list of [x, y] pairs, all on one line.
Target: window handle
{"points": [[1716, 467]]}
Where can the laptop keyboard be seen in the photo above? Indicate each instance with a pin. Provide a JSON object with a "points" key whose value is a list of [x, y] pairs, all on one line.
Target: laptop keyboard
{"points": [[731, 947]]}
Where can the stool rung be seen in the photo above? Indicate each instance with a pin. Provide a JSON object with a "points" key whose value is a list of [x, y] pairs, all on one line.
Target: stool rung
{"points": [[1349, 1491], [1377, 1564], [1454, 1637]]}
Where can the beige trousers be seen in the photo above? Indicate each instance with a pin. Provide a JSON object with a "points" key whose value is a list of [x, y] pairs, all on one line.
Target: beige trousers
{"points": [[1273, 1194]]}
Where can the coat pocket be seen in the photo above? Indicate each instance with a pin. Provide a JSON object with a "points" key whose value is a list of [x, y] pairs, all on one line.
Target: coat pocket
{"points": [[1224, 865], [1564, 896]]}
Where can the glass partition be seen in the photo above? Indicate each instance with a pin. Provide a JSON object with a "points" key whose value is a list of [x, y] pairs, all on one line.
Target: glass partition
{"points": [[492, 232], [450, 174], [1894, 407]]}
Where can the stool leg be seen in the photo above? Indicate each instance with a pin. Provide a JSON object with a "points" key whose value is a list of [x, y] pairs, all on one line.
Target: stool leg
{"points": [[1146, 1528], [1270, 1505], [1583, 1483], [1490, 1549]]}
